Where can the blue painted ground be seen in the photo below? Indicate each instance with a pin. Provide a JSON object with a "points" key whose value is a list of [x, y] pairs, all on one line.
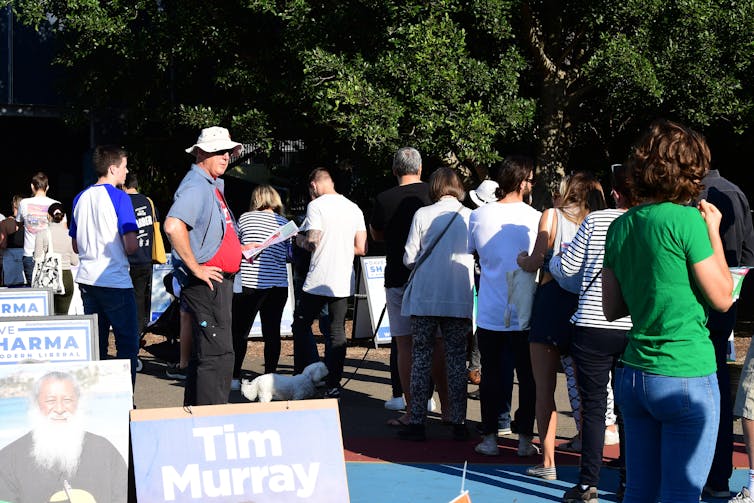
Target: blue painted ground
{"points": [[439, 483]]}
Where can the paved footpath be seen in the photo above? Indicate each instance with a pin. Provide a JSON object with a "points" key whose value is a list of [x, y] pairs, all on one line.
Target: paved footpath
{"points": [[382, 468]]}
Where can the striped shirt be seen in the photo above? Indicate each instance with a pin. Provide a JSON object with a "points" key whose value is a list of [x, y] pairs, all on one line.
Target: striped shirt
{"points": [[584, 257], [268, 269]]}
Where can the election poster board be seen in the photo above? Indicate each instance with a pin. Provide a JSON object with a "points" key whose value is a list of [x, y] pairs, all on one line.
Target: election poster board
{"points": [[48, 338], [236, 453], [161, 299], [371, 286], [25, 302], [58, 414]]}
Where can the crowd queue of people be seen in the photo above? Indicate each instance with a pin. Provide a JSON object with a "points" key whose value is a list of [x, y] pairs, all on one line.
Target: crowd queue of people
{"points": [[632, 300]]}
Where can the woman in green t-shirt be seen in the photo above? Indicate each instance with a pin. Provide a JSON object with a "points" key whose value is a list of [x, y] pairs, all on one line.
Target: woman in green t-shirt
{"points": [[664, 265]]}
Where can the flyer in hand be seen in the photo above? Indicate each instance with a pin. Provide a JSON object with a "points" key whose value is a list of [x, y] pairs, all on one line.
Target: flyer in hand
{"points": [[284, 232], [738, 274]]}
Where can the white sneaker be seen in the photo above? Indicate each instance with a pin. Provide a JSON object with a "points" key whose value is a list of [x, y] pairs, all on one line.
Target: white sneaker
{"points": [[611, 437], [431, 405], [488, 445], [395, 403], [235, 384], [526, 447]]}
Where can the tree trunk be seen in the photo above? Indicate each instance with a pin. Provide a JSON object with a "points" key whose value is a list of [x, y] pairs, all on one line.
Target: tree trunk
{"points": [[554, 138]]}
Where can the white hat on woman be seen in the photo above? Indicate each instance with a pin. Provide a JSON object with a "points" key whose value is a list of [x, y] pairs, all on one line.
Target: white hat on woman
{"points": [[485, 193]]}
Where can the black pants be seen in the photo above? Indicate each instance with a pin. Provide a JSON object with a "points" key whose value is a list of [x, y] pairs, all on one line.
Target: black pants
{"points": [[305, 348], [211, 367], [269, 303], [500, 353], [141, 277], [395, 378], [595, 352], [722, 463]]}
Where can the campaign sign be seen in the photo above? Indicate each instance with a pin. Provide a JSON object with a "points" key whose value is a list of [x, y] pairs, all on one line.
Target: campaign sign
{"points": [[161, 299], [48, 338], [64, 431], [261, 452], [25, 302], [372, 284]]}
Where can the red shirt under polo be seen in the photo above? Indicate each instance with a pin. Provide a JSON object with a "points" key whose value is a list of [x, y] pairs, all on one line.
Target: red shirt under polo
{"points": [[228, 256]]}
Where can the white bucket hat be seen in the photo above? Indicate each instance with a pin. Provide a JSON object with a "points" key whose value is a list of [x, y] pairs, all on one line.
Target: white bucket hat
{"points": [[213, 139], [485, 193]]}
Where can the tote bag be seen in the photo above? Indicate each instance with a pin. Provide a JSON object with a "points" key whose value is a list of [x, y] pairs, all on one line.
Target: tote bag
{"points": [[48, 272]]}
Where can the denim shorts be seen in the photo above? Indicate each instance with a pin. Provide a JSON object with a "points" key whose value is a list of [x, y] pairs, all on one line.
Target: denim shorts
{"points": [[551, 316], [399, 325]]}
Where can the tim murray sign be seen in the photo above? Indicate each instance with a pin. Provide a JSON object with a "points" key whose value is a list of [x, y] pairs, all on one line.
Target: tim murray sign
{"points": [[273, 452]]}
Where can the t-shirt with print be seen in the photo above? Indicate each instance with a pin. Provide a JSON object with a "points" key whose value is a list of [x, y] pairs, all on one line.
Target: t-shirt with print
{"points": [[145, 220], [331, 269], [102, 214], [393, 213], [498, 232], [651, 249], [269, 267], [32, 211], [228, 256]]}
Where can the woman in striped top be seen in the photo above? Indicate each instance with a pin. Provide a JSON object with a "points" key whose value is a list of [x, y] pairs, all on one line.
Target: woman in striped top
{"points": [[264, 279], [597, 343]]}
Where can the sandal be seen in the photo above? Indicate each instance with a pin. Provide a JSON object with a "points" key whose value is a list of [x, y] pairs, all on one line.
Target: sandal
{"points": [[573, 445]]}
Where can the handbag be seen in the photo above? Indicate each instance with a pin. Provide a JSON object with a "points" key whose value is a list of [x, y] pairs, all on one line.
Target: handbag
{"points": [[158, 246], [48, 272]]}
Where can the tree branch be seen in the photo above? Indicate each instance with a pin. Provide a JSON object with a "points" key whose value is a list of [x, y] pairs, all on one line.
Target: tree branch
{"points": [[536, 44]]}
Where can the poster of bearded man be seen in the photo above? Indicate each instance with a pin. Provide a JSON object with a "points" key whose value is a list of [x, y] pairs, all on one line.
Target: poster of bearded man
{"points": [[64, 434]]}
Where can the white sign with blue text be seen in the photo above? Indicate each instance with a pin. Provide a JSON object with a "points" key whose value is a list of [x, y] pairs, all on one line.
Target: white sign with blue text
{"points": [[25, 302], [261, 452], [48, 338], [372, 285]]}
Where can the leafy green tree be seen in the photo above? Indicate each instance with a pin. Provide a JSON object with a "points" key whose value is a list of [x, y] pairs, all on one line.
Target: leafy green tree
{"points": [[465, 81]]}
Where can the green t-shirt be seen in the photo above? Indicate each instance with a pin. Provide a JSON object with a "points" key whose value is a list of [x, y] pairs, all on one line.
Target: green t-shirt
{"points": [[651, 249]]}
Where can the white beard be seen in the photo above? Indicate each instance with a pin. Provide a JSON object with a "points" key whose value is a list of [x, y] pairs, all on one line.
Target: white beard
{"points": [[57, 446]]}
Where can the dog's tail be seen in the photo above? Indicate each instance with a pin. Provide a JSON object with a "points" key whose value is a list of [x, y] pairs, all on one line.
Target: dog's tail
{"points": [[250, 389]]}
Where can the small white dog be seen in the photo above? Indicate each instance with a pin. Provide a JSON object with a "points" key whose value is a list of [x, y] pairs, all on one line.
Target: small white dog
{"points": [[270, 387]]}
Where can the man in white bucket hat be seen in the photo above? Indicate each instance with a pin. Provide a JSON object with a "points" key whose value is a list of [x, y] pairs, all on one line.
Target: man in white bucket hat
{"points": [[206, 257]]}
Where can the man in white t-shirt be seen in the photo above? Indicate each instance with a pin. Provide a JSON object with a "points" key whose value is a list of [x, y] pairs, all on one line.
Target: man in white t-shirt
{"points": [[335, 233], [498, 232], [32, 212], [103, 231]]}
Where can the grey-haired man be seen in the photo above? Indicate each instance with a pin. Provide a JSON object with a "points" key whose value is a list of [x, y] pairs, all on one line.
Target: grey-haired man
{"points": [[207, 255]]}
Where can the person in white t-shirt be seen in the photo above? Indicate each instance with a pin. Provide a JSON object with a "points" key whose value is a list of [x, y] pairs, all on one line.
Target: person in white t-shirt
{"points": [[32, 212], [335, 233], [498, 232]]}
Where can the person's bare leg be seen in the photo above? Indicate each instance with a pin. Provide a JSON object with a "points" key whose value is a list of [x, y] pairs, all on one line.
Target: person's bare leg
{"points": [[544, 362], [748, 430], [404, 370], [185, 339]]}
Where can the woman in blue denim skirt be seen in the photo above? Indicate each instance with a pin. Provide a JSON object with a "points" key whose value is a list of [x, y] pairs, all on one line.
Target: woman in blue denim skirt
{"points": [[664, 265]]}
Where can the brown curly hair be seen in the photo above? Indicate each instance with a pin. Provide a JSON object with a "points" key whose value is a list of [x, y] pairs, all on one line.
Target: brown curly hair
{"points": [[669, 163]]}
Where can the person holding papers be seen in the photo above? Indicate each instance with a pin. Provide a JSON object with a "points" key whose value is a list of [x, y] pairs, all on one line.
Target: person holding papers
{"points": [[264, 279], [665, 266]]}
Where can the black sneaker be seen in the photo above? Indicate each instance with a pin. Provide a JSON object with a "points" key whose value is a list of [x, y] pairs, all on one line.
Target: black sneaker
{"points": [[413, 432], [576, 495], [174, 371], [332, 393]]}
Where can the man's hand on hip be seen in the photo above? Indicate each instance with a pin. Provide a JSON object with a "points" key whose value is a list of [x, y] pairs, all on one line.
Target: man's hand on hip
{"points": [[208, 274]]}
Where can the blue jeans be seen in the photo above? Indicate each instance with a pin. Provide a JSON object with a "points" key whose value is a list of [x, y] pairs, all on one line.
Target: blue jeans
{"points": [[114, 307], [671, 429], [13, 267], [28, 263]]}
